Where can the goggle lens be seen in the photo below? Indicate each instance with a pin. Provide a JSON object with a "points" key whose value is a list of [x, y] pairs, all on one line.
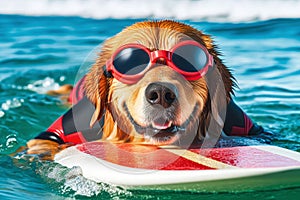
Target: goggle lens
{"points": [[189, 58], [131, 61]]}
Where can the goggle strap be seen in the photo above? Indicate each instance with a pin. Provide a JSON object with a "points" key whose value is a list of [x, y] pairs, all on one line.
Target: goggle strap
{"points": [[106, 73]]}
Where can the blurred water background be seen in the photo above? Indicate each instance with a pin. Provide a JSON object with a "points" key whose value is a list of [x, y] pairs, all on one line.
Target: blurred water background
{"points": [[43, 44]]}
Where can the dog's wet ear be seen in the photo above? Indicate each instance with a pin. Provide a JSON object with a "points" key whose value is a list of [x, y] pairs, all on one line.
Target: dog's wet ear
{"points": [[216, 107], [97, 113], [96, 88]]}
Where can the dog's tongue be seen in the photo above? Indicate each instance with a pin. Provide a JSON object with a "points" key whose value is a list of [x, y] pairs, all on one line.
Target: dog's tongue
{"points": [[160, 126]]}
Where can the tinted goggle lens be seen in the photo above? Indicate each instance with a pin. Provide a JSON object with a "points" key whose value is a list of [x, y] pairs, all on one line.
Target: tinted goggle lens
{"points": [[131, 61], [189, 58]]}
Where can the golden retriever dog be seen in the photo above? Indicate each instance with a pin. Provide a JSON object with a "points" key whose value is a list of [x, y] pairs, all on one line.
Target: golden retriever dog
{"points": [[154, 83]]}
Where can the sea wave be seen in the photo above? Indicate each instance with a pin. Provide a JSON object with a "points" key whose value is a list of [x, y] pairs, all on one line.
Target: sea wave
{"points": [[200, 10]]}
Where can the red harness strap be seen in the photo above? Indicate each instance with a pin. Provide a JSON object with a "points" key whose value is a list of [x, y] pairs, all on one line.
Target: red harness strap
{"points": [[73, 126], [58, 128], [244, 130], [77, 93]]}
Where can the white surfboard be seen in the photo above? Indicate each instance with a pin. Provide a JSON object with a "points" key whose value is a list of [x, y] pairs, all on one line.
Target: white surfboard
{"points": [[171, 168]]}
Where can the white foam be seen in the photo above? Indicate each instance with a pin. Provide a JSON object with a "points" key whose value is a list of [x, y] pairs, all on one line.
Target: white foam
{"points": [[14, 103], [210, 10], [2, 113], [42, 86]]}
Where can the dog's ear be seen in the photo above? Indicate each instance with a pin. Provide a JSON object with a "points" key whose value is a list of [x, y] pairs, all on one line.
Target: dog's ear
{"points": [[216, 106], [96, 88], [97, 113], [97, 81]]}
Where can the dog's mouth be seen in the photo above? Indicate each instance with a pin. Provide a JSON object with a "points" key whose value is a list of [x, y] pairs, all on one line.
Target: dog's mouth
{"points": [[161, 131]]}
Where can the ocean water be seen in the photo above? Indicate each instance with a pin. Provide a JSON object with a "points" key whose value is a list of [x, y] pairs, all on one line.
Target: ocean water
{"points": [[42, 46]]}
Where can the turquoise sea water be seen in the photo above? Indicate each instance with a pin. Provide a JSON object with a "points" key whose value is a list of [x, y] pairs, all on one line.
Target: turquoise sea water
{"points": [[41, 53]]}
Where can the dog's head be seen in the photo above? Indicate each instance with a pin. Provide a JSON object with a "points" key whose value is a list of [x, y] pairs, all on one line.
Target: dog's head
{"points": [[154, 102]]}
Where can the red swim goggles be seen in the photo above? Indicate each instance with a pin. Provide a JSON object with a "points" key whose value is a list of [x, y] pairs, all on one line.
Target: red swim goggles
{"points": [[130, 62]]}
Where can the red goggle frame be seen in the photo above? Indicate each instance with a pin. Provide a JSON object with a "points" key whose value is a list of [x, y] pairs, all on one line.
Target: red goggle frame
{"points": [[130, 62]]}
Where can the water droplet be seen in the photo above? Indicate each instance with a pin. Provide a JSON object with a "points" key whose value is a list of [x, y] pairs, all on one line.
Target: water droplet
{"points": [[4, 106], [2, 113]]}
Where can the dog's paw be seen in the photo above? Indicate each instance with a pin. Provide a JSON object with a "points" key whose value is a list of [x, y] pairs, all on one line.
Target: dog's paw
{"points": [[44, 149], [63, 93], [63, 90]]}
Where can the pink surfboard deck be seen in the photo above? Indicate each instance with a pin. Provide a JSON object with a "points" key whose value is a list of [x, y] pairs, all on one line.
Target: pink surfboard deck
{"points": [[215, 169]]}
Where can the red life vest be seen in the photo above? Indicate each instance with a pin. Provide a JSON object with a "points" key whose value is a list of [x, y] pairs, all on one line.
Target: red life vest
{"points": [[73, 126]]}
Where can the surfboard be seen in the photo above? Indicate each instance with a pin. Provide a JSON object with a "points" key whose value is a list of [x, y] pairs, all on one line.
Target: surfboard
{"points": [[172, 168]]}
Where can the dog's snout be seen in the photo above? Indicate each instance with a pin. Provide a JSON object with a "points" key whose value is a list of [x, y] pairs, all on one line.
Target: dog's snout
{"points": [[161, 93]]}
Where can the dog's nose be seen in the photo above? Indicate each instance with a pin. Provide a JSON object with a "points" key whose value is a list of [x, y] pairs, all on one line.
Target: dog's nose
{"points": [[161, 93]]}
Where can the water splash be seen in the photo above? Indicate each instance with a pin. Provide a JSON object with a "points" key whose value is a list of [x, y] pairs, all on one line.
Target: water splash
{"points": [[2, 113], [71, 182], [8, 142], [14, 103], [44, 85], [243, 10], [9, 104]]}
